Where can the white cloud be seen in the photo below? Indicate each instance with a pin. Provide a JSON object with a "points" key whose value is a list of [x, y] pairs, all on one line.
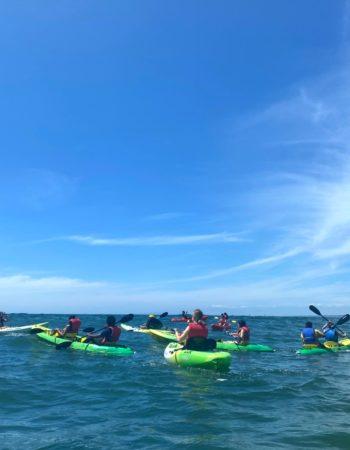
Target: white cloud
{"points": [[216, 238]]}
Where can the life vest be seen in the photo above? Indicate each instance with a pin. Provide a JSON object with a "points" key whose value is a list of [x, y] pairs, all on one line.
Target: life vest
{"points": [[331, 334], [197, 330], [309, 336], [246, 333], [74, 325], [114, 336]]}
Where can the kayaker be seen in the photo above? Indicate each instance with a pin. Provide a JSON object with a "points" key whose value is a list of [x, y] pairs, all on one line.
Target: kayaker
{"points": [[243, 333], [3, 319], [331, 333], [71, 330], [152, 323], [109, 335], [196, 329], [310, 335]]}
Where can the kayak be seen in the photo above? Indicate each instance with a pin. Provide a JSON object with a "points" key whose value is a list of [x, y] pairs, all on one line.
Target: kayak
{"points": [[212, 359], [163, 335], [232, 346], [126, 327], [319, 350], [86, 347], [22, 328], [220, 327], [184, 319]]}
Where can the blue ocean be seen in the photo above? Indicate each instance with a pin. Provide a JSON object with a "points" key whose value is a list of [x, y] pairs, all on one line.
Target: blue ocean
{"points": [[55, 400]]}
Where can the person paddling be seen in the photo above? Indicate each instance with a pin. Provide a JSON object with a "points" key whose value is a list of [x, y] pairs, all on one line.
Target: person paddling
{"points": [[196, 329], [109, 335], [3, 319], [243, 333], [310, 335], [331, 333], [152, 323], [71, 330]]}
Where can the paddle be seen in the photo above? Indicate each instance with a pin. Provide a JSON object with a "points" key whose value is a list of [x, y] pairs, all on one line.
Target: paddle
{"points": [[340, 321], [67, 344]]}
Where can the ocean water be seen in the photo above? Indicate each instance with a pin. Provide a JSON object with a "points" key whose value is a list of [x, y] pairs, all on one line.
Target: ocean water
{"points": [[71, 400]]}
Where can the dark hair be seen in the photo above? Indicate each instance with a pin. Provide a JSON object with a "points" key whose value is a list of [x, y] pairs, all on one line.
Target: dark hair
{"points": [[197, 315], [242, 323], [308, 324], [111, 321], [71, 317]]}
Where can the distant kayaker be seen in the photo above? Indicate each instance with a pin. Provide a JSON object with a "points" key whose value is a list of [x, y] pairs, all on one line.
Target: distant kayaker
{"points": [[71, 330], [310, 335], [331, 333], [109, 335], [3, 319], [242, 334], [197, 328], [152, 323]]}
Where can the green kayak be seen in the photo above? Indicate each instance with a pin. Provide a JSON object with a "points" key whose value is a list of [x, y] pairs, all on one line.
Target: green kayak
{"points": [[213, 359], [232, 346], [82, 346], [318, 350], [229, 346]]}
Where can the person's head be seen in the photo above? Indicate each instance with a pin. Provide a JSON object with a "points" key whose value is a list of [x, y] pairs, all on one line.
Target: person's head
{"points": [[241, 323], [111, 321], [308, 324], [71, 317], [152, 316], [330, 324], [197, 315]]}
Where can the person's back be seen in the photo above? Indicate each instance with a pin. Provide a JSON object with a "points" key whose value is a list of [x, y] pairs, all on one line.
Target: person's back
{"points": [[330, 333], [153, 323], [309, 335], [72, 329]]}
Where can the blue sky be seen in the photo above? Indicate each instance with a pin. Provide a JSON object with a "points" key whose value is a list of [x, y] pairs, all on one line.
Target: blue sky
{"points": [[164, 156]]}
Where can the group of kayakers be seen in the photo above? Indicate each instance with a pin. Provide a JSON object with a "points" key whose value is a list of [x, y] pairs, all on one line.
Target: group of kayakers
{"points": [[109, 334], [310, 336]]}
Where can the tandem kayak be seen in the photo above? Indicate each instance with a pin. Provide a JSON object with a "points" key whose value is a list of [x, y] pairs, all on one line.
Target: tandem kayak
{"points": [[220, 327], [87, 347], [22, 328], [213, 359], [319, 350], [232, 346]]}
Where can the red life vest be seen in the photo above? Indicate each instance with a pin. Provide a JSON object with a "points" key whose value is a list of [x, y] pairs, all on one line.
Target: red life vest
{"points": [[74, 325], [114, 336], [246, 334], [197, 330]]}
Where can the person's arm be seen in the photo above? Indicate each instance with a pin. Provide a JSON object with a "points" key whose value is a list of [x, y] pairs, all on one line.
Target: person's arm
{"points": [[318, 333], [182, 336]]}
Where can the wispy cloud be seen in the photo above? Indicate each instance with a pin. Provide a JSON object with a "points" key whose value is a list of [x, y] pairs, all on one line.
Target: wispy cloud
{"points": [[153, 241]]}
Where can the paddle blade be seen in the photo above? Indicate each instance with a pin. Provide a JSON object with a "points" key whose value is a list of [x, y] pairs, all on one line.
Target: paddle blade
{"points": [[343, 319], [63, 345], [163, 315], [314, 310], [88, 330], [126, 318]]}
